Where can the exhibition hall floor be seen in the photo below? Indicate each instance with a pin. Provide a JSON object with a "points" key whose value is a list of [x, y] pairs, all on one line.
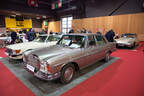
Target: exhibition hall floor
{"points": [[123, 75]]}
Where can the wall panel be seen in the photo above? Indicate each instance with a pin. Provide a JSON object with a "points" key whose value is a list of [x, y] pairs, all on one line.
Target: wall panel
{"points": [[120, 24], [130, 23], [77, 24], [54, 26]]}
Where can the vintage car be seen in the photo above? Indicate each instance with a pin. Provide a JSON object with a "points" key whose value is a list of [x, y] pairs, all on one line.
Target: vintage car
{"points": [[15, 51], [126, 40], [72, 53], [5, 37]]}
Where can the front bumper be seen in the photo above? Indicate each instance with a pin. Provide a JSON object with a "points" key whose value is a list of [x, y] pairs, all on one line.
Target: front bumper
{"points": [[124, 44], [14, 56], [43, 75]]}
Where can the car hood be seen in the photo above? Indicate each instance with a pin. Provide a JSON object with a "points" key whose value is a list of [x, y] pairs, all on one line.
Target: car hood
{"points": [[124, 40], [29, 45], [49, 52], [5, 38]]}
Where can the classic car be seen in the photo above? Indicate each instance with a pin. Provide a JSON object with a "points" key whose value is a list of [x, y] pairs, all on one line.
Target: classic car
{"points": [[5, 37], [72, 53], [15, 51], [126, 40]]}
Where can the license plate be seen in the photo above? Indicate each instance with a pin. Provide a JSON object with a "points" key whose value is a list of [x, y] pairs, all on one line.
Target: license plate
{"points": [[31, 68]]}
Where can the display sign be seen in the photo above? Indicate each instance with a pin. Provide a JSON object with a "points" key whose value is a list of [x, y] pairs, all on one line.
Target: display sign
{"points": [[19, 23], [45, 23], [12, 23]]}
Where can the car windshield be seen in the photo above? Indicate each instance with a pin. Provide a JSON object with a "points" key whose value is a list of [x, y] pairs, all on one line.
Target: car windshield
{"points": [[72, 41], [53, 38], [128, 35], [41, 39]]}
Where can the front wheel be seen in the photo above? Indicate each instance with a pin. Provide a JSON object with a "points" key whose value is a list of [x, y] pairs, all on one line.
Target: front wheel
{"points": [[67, 73], [107, 57]]}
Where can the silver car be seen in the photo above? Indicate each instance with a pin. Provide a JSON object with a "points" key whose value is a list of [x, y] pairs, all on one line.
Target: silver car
{"points": [[72, 53], [126, 40]]}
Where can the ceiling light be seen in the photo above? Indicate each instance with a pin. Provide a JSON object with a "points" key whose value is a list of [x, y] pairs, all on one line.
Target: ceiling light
{"points": [[37, 17], [18, 14], [44, 16], [13, 15]]}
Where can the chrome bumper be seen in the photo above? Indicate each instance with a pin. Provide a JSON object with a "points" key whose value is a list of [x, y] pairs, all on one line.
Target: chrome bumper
{"points": [[14, 56], [123, 45], [43, 75]]}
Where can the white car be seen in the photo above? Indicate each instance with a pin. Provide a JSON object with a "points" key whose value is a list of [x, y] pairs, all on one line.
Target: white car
{"points": [[16, 51], [5, 37], [127, 39]]}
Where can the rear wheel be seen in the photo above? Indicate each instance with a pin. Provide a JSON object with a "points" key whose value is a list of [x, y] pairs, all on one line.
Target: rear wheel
{"points": [[134, 44], [67, 73]]}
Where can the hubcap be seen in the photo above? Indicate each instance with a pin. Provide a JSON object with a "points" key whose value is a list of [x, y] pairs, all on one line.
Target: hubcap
{"points": [[68, 73]]}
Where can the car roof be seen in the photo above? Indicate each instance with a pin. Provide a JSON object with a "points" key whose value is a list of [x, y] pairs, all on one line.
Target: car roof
{"points": [[82, 34], [49, 35], [129, 34], [43, 35]]}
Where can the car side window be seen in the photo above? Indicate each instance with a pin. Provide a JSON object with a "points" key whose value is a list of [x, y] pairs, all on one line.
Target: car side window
{"points": [[100, 40], [91, 41]]}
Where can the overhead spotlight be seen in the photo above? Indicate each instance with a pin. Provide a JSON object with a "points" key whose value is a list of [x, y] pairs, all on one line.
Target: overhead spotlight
{"points": [[37, 17], [18, 14], [13, 15], [44, 16]]}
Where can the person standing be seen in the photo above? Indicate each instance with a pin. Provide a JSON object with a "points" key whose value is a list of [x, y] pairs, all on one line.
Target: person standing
{"points": [[110, 35], [71, 31], [13, 37], [83, 30], [31, 35]]}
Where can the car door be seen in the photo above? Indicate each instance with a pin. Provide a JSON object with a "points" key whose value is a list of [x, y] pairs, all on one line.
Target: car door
{"points": [[91, 51], [102, 46], [79, 55]]}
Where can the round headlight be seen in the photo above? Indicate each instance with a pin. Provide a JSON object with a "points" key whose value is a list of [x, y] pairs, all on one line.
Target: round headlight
{"points": [[46, 66]]}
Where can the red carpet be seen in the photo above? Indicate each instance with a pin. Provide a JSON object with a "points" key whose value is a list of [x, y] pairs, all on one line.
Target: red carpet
{"points": [[2, 52], [140, 47], [125, 77], [10, 85], [122, 78]]}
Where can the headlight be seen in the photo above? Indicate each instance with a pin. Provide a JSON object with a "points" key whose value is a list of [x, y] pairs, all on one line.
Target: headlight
{"points": [[45, 66]]}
